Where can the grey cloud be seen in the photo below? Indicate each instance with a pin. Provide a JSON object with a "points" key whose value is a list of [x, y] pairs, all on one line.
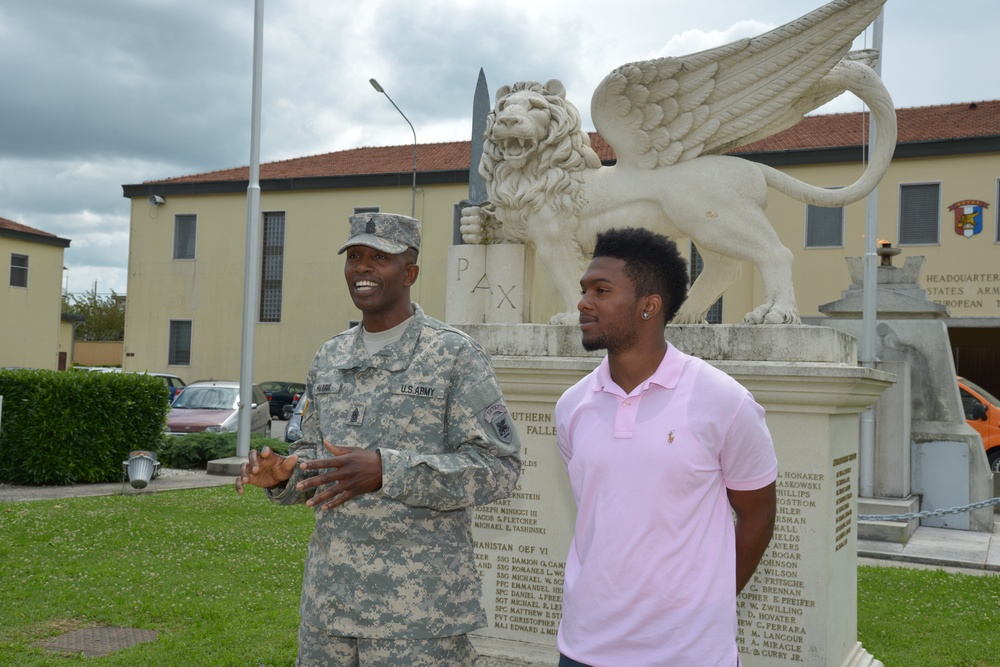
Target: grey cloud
{"points": [[122, 79]]}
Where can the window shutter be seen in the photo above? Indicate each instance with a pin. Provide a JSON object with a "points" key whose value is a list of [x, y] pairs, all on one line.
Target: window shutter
{"points": [[919, 214]]}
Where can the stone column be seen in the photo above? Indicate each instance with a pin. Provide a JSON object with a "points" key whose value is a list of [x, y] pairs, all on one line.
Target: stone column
{"points": [[801, 606]]}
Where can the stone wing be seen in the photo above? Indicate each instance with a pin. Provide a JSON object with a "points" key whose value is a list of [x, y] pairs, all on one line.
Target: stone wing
{"points": [[660, 112]]}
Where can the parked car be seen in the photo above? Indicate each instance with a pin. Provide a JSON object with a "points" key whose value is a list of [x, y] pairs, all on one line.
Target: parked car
{"points": [[279, 394], [293, 429], [211, 405], [982, 411], [289, 409], [174, 383]]}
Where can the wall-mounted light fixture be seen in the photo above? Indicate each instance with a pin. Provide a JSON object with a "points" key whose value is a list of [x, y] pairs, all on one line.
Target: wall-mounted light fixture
{"points": [[156, 200]]}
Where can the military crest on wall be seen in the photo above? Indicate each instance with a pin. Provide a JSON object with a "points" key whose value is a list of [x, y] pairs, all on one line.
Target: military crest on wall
{"points": [[968, 216]]}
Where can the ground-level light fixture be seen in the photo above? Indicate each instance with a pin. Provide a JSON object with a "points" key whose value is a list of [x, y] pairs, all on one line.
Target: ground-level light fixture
{"points": [[140, 467]]}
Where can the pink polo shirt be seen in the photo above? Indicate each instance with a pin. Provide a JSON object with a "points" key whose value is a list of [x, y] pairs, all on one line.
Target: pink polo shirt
{"points": [[651, 570]]}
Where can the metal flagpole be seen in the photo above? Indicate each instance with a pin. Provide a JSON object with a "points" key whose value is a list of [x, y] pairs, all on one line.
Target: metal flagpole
{"points": [[866, 453], [251, 264]]}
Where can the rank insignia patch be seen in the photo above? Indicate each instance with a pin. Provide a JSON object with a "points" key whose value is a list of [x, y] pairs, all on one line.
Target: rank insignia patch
{"points": [[356, 416]]}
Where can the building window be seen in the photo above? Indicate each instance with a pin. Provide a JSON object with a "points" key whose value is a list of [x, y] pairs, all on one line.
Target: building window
{"points": [[179, 346], [714, 314], [272, 267], [18, 270], [185, 232], [366, 209], [824, 226], [920, 214]]}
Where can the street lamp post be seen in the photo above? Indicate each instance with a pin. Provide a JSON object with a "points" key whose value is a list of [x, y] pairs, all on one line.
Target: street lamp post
{"points": [[413, 199]]}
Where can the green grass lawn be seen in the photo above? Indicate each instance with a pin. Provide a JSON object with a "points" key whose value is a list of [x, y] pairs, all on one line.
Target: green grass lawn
{"points": [[218, 576], [929, 618]]}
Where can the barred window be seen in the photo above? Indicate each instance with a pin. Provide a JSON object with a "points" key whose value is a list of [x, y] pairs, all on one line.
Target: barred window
{"points": [[185, 231], [920, 214], [714, 314], [272, 267], [179, 344], [18, 270]]}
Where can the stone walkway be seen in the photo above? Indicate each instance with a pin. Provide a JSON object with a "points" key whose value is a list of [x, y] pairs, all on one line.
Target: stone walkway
{"points": [[941, 547]]}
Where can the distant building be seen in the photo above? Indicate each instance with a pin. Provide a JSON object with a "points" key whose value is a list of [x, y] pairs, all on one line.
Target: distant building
{"points": [[188, 236], [32, 332]]}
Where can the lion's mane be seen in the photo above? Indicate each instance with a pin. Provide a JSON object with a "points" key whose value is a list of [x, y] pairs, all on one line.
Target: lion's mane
{"points": [[553, 175]]}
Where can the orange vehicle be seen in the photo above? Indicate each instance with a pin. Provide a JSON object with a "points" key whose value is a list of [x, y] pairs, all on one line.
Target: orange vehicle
{"points": [[982, 411]]}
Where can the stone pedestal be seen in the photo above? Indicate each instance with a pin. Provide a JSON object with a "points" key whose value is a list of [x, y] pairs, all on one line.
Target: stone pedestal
{"points": [[948, 465], [801, 606]]}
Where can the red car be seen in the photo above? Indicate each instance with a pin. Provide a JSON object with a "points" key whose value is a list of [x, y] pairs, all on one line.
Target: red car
{"points": [[982, 412], [212, 406]]}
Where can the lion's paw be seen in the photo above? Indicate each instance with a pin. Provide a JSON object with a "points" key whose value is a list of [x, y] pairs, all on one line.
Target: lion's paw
{"points": [[689, 313], [772, 314], [571, 317], [688, 318]]}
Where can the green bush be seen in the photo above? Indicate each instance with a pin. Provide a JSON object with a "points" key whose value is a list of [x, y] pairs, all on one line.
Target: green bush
{"points": [[73, 427], [197, 449]]}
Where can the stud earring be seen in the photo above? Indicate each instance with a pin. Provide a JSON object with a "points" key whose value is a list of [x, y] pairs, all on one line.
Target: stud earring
{"points": [[645, 316]]}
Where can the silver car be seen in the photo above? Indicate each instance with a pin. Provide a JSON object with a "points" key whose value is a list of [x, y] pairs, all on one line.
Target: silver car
{"points": [[293, 430]]}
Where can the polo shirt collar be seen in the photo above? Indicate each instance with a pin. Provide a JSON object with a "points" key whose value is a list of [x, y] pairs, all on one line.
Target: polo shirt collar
{"points": [[666, 375]]}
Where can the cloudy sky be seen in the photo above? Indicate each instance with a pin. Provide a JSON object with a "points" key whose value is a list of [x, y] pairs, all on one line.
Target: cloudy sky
{"points": [[102, 93]]}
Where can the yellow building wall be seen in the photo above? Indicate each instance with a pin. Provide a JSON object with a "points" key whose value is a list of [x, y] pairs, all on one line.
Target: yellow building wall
{"points": [[820, 274], [208, 290], [66, 339], [30, 316], [315, 305], [98, 352]]}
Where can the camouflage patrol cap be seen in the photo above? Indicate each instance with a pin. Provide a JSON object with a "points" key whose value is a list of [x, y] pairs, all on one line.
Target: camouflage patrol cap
{"points": [[388, 232]]}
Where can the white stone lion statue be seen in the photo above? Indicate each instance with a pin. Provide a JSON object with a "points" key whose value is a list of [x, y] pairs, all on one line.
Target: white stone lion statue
{"points": [[669, 121]]}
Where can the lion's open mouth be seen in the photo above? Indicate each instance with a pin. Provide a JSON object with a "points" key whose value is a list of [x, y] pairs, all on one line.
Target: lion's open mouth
{"points": [[514, 147]]}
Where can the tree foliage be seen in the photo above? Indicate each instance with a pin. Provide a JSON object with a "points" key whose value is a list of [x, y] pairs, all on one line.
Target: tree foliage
{"points": [[103, 316]]}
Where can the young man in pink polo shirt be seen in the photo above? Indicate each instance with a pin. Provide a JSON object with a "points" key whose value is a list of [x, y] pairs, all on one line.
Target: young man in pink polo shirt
{"points": [[662, 449]]}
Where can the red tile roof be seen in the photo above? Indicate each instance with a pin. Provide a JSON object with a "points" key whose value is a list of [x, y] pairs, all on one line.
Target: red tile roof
{"points": [[916, 124], [18, 227], [353, 162]]}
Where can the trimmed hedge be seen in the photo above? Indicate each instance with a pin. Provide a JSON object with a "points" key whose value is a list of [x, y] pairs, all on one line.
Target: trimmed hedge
{"points": [[197, 449], [71, 427]]}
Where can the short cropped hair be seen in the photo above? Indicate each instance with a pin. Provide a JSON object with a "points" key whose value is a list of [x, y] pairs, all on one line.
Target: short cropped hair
{"points": [[652, 262]]}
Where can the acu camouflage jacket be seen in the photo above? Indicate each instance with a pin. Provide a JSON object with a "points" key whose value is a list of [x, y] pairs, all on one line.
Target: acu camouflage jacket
{"points": [[398, 563]]}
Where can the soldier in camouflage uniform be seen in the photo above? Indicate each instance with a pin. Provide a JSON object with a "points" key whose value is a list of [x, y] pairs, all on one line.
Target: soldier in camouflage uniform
{"points": [[409, 432]]}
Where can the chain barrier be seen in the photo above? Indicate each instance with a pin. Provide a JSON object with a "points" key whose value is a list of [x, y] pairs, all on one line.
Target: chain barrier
{"points": [[929, 513]]}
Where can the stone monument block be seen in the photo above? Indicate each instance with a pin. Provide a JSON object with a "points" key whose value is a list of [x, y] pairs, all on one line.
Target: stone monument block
{"points": [[801, 606], [466, 269], [489, 283]]}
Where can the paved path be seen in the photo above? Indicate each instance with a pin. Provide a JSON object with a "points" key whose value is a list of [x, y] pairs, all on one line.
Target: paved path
{"points": [[168, 480], [943, 547]]}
